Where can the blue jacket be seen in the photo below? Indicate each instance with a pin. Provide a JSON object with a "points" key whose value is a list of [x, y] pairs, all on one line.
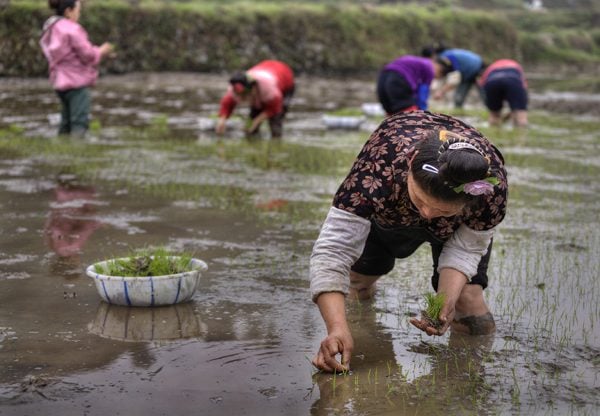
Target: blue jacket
{"points": [[466, 62]]}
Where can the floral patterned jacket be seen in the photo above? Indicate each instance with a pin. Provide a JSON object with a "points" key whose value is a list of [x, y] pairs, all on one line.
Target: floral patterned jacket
{"points": [[376, 189]]}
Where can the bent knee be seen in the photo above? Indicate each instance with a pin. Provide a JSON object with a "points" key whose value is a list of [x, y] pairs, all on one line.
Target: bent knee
{"points": [[360, 281], [475, 325]]}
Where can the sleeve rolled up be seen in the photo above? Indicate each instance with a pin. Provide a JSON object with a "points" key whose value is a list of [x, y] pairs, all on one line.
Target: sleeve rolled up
{"points": [[463, 251], [340, 243]]}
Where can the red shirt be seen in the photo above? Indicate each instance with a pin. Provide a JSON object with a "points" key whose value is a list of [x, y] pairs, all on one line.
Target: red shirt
{"points": [[502, 64], [273, 80]]}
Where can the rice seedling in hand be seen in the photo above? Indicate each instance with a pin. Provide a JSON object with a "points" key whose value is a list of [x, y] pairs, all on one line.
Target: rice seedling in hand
{"points": [[434, 303]]}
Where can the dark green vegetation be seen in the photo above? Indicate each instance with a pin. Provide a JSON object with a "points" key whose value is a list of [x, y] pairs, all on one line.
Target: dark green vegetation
{"points": [[314, 37], [146, 262]]}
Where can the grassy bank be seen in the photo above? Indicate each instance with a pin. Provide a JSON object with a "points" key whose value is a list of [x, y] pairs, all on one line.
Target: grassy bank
{"points": [[330, 38]]}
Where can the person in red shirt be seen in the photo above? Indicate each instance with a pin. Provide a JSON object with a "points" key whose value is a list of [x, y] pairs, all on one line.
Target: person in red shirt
{"points": [[268, 87]]}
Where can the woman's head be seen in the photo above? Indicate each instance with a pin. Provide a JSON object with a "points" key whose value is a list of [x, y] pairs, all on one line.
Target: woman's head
{"points": [[431, 51], [67, 8], [449, 168], [241, 82], [442, 66]]}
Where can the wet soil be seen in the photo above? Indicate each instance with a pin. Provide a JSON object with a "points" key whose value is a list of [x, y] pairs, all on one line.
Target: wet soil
{"points": [[252, 210]]}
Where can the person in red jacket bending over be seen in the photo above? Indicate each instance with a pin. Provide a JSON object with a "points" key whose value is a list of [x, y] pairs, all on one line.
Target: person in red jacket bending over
{"points": [[268, 87]]}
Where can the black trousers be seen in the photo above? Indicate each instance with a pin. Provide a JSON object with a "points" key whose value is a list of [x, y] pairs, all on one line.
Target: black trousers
{"points": [[385, 245], [394, 92]]}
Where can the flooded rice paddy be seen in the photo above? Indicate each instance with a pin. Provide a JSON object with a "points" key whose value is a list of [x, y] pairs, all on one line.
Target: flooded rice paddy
{"points": [[151, 173]]}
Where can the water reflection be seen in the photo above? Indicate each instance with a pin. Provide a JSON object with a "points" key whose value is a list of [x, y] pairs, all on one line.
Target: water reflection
{"points": [[449, 380], [71, 219], [147, 324]]}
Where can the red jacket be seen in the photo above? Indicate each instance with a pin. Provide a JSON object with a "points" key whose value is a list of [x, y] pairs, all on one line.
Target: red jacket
{"points": [[273, 80]]}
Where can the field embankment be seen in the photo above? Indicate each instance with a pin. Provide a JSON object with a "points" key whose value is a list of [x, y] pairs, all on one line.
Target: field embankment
{"points": [[322, 39]]}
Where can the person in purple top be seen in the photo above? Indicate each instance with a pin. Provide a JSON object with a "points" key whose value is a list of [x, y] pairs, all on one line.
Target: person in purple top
{"points": [[403, 84], [72, 63]]}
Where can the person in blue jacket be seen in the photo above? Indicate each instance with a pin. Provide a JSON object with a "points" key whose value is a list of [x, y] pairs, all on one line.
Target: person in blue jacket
{"points": [[403, 84], [466, 63]]}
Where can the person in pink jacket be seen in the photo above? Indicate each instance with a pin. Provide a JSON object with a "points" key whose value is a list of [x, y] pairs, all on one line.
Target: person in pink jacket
{"points": [[268, 87], [72, 64]]}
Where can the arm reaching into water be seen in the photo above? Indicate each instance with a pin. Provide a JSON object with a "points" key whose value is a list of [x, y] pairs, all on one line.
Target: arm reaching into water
{"points": [[457, 265], [339, 245], [256, 122], [339, 339]]}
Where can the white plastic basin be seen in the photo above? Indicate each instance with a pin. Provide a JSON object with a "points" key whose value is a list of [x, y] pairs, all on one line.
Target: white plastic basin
{"points": [[147, 290]]}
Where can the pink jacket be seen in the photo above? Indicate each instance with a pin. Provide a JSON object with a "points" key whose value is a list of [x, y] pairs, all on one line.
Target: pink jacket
{"points": [[72, 59], [502, 64]]}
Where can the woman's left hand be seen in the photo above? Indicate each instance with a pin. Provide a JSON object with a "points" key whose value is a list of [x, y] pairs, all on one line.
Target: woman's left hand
{"points": [[446, 317], [451, 284]]}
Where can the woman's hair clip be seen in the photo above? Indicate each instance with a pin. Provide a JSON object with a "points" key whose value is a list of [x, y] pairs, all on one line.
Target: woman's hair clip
{"points": [[429, 168], [453, 141], [465, 145], [445, 135], [478, 187]]}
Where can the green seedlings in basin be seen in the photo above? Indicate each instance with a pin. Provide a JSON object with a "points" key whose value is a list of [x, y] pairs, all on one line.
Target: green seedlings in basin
{"points": [[434, 302], [155, 262]]}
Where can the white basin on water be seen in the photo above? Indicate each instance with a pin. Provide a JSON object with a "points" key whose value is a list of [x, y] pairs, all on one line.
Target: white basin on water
{"points": [[343, 122], [147, 290]]}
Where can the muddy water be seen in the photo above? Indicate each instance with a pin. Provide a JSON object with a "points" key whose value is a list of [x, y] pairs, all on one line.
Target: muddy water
{"points": [[252, 210]]}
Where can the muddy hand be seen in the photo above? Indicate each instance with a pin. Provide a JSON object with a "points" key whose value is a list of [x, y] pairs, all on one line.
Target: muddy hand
{"points": [[425, 326], [220, 127], [331, 346]]}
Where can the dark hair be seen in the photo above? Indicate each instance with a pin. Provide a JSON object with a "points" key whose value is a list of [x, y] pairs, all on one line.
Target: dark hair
{"points": [[455, 166], [242, 78], [61, 5], [484, 66], [432, 50], [446, 65]]}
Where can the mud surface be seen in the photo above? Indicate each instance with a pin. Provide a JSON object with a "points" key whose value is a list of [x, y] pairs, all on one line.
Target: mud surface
{"points": [[252, 210]]}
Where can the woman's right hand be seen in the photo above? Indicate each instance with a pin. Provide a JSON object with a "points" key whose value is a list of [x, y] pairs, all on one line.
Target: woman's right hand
{"points": [[339, 339], [106, 49], [220, 127], [337, 342]]}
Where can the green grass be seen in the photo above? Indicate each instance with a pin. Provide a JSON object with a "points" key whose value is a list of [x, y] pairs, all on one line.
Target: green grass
{"points": [[147, 262]]}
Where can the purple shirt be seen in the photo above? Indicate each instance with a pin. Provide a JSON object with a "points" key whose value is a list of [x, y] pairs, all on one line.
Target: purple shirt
{"points": [[72, 59], [414, 69]]}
